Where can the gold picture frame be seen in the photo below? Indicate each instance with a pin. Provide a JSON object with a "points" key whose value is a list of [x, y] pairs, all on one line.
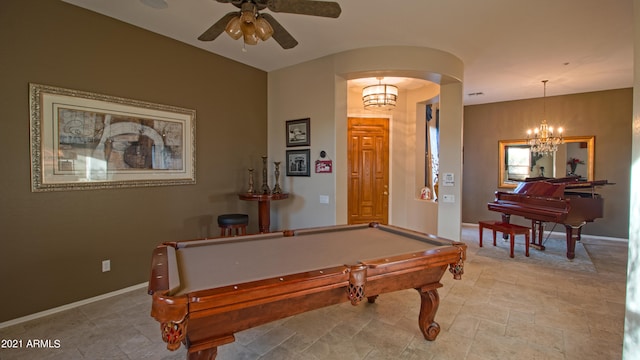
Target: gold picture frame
{"points": [[559, 158], [86, 141]]}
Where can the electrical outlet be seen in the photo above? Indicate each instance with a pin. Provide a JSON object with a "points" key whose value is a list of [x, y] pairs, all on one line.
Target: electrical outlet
{"points": [[324, 199], [106, 265], [448, 198]]}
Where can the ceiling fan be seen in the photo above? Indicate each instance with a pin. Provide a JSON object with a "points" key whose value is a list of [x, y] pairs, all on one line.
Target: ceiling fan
{"points": [[252, 25]]}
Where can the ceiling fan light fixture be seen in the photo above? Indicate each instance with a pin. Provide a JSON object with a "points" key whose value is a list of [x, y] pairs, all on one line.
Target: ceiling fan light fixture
{"points": [[263, 28], [250, 38], [247, 28], [233, 28], [249, 25], [248, 12], [247, 17]]}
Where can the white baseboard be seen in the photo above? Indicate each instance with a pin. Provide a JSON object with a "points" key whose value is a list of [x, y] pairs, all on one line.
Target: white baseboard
{"points": [[71, 306]]}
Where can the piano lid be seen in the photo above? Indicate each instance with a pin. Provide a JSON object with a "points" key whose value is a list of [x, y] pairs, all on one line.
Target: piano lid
{"points": [[569, 182], [541, 189]]}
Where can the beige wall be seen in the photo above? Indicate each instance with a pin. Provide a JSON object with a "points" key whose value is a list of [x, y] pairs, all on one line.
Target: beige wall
{"points": [[605, 114], [303, 92], [52, 244], [322, 96]]}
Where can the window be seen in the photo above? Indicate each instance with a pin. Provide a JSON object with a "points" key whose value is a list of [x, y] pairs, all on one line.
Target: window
{"points": [[432, 127], [518, 162]]}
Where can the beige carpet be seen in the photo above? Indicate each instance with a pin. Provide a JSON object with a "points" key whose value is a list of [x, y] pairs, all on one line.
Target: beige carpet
{"points": [[554, 256]]}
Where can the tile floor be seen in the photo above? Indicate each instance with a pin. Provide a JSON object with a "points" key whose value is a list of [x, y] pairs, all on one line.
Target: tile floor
{"points": [[501, 309]]}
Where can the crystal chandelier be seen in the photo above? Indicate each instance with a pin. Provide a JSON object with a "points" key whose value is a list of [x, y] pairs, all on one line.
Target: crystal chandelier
{"points": [[542, 140], [380, 96]]}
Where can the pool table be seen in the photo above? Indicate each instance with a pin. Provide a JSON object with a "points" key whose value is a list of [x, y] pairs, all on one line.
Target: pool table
{"points": [[206, 290]]}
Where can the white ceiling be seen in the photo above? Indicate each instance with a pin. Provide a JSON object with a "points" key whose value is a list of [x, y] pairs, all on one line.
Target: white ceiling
{"points": [[508, 46]]}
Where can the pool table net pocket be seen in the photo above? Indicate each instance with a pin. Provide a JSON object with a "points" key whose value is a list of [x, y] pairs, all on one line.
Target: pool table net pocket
{"points": [[357, 278], [173, 333]]}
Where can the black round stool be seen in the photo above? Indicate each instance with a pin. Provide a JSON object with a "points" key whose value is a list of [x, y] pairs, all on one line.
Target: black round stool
{"points": [[229, 222]]}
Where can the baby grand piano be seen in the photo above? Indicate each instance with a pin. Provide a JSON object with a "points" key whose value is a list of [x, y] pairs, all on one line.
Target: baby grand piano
{"points": [[566, 201]]}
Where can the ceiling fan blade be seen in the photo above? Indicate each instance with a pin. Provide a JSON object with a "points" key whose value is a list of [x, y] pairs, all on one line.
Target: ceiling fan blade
{"points": [[280, 35], [306, 7], [236, 3], [218, 28]]}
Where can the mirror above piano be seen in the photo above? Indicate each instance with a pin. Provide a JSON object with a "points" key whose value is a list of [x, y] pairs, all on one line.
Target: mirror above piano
{"points": [[575, 157]]}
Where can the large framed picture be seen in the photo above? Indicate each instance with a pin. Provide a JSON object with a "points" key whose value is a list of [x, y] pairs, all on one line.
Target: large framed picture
{"points": [[82, 140], [298, 163], [298, 132]]}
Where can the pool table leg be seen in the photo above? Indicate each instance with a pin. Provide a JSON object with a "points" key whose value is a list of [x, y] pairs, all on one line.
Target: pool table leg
{"points": [[372, 299], [207, 349], [429, 302], [205, 354]]}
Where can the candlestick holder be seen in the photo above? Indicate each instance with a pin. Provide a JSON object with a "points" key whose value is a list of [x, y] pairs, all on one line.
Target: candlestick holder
{"points": [[265, 185], [250, 190], [276, 188]]}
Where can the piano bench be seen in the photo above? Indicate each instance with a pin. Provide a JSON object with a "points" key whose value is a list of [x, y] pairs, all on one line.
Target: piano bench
{"points": [[506, 228]]}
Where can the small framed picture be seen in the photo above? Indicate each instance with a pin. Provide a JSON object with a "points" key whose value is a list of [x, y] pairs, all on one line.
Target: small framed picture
{"points": [[298, 162], [298, 132]]}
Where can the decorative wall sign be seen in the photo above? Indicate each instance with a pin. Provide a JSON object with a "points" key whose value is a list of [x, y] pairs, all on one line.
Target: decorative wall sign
{"points": [[324, 166], [81, 140]]}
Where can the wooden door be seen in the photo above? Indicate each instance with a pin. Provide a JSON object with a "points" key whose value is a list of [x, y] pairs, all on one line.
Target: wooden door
{"points": [[368, 170]]}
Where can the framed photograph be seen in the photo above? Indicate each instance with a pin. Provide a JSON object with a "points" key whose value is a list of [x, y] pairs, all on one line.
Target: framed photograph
{"points": [[82, 141], [298, 163], [298, 132]]}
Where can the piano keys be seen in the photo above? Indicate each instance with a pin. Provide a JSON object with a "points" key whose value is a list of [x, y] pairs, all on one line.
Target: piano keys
{"points": [[565, 201]]}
